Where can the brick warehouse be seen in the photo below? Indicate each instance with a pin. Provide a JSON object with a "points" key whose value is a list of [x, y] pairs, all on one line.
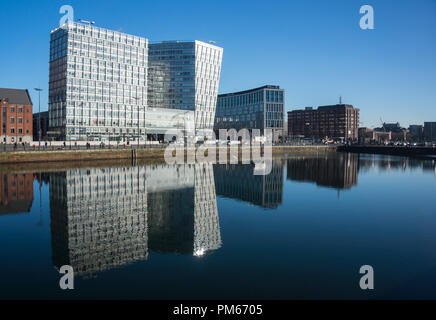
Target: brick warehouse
{"points": [[15, 116], [339, 121]]}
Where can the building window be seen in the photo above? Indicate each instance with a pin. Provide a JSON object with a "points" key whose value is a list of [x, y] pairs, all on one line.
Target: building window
{"points": [[12, 109], [20, 120], [12, 130], [20, 130], [12, 120], [20, 110]]}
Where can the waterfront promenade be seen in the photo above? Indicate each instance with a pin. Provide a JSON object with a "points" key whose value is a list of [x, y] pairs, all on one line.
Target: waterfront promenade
{"points": [[152, 153], [155, 153]]}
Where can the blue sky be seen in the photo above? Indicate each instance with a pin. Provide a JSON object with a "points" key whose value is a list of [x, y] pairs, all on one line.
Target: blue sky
{"points": [[315, 50]]}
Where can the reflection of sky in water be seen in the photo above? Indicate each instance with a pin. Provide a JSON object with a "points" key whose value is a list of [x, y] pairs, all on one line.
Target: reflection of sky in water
{"points": [[302, 232]]}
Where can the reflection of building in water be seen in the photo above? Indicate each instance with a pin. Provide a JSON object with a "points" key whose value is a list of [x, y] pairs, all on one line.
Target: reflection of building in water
{"points": [[207, 234], [16, 193], [170, 211], [183, 215], [98, 218], [103, 218], [238, 181], [394, 163], [337, 170]]}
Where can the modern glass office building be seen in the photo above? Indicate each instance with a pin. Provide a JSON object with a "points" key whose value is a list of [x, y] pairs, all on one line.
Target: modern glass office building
{"points": [[99, 88], [260, 108], [98, 83], [183, 79]]}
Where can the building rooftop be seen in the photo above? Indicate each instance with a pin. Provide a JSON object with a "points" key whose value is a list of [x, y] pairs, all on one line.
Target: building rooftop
{"points": [[83, 25], [337, 105], [16, 96], [158, 44], [248, 91], [324, 107]]}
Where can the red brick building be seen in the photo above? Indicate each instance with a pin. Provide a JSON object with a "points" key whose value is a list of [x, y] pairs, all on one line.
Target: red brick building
{"points": [[339, 121], [16, 124]]}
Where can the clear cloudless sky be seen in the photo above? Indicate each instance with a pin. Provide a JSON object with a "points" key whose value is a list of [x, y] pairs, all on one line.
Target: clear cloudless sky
{"points": [[315, 50]]}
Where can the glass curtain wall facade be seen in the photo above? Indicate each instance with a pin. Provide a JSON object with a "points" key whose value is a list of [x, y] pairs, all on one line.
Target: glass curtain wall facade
{"points": [[430, 131], [183, 85], [98, 83], [208, 60], [260, 108]]}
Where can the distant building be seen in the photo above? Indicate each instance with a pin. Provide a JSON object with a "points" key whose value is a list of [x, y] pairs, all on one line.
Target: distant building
{"points": [[368, 136], [430, 131], [416, 132], [397, 132], [43, 127], [339, 121], [399, 135], [365, 135], [15, 116], [382, 136], [394, 127], [260, 108]]}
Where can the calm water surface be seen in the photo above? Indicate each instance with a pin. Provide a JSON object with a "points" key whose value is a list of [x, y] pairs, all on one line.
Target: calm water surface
{"points": [[217, 231]]}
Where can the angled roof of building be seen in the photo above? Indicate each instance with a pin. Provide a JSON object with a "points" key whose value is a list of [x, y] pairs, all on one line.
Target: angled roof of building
{"points": [[16, 96]]}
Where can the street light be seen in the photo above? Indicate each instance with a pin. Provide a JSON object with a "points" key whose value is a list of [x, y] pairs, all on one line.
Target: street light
{"points": [[39, 116]]}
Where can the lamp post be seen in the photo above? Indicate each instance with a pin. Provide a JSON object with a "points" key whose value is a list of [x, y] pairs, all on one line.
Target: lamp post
{"points": [[39, 117]]}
